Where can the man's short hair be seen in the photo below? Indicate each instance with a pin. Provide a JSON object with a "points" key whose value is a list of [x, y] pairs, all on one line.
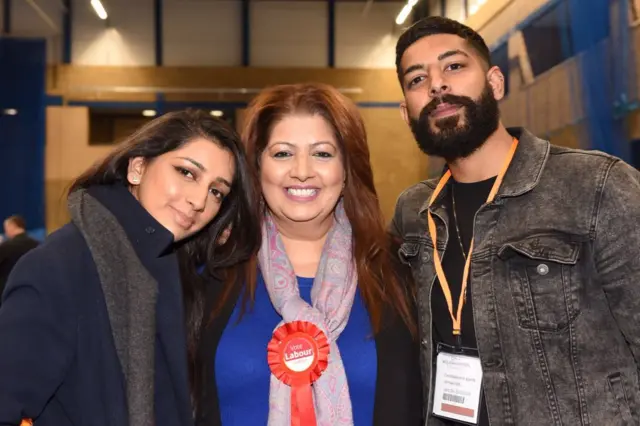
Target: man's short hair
{"points": [[18, 221], [433, 25]]}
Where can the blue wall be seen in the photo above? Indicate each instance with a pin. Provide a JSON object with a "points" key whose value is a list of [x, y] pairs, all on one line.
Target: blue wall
{"points": [[581, 27], [591, 24], [22, 136]]}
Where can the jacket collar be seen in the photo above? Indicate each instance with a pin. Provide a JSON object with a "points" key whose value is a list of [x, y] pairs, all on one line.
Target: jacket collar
{"points": [[526, 168], [523, 173], [148, 237]]}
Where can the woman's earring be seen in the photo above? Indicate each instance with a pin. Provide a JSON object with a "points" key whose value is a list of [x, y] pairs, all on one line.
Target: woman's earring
{"points": [[135, 179]]}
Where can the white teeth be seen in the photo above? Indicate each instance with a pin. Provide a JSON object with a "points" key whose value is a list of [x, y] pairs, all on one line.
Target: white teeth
{"points": [[302, 192]]}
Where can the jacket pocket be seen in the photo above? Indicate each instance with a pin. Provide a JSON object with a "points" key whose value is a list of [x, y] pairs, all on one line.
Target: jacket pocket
{"points": [[541, 275], [415, 250], [621, 406], [408, 251]]}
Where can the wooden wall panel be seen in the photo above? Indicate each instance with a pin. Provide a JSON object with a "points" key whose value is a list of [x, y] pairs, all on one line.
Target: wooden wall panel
{"points": [[569, 136], [513, 110], [67, 155], [57, 213], [83, 82], [633, 125], [396, 160], [68, 150]]}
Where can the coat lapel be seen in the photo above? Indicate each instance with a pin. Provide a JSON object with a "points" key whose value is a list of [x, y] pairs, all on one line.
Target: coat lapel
{"points": [[172, 338]]}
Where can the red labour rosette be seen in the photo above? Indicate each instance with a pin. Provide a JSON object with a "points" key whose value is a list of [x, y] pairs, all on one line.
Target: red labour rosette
{"points": [[298, 354]]}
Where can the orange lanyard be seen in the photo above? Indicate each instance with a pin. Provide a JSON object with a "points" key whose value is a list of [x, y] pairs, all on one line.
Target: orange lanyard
{"points": [[457, 319]]}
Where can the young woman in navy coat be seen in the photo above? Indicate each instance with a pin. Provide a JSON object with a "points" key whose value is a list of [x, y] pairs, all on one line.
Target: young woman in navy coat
{"points": [[95, 323]]}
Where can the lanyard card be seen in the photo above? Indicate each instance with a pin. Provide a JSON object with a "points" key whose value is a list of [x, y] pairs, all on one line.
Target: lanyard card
{"points": [[458, 385]]}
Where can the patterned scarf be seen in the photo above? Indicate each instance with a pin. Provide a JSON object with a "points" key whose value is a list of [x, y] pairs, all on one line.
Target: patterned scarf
{"points": [[332, 295]]}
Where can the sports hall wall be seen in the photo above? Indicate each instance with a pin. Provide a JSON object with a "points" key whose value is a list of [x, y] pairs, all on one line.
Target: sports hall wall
{"points": [[162, 55], [571, 68]]}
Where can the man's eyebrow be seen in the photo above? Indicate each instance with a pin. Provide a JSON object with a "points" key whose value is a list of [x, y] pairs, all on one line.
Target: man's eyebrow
{"points": [[441, 57], [414, 67], [450, 53]]}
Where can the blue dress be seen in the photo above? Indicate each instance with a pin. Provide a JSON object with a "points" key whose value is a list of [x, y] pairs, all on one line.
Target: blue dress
{"points": [[242, 372]]}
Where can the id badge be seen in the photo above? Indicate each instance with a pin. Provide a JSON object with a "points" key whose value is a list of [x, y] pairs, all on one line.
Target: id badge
{"points": [[458, 385]]}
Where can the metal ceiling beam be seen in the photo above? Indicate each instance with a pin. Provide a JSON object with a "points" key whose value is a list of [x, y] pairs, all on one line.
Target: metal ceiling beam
{"points": [[6, 17], [189, 90], [367, 7], [45, 17]]}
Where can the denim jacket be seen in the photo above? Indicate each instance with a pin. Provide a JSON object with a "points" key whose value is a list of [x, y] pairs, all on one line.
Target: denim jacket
{"points": [[555, 282]]}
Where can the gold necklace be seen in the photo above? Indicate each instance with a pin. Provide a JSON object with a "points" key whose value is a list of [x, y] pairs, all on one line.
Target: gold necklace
{"points": [[455, 218]]}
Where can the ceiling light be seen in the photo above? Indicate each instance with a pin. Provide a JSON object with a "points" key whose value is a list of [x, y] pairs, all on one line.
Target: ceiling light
{"points": [[217, 113], [404, 13], [99, 8], [10, 111], [149, 113]]}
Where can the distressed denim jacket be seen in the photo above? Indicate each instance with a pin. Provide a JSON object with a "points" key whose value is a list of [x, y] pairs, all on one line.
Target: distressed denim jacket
{"points": [[555, 282]]}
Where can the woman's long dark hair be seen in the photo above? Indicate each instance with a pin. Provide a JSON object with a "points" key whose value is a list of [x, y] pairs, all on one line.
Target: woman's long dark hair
{"points": [[239, 209]]}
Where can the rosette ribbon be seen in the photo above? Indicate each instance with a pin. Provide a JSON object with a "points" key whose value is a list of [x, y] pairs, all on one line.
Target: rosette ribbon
{"points": [[298, 354]]}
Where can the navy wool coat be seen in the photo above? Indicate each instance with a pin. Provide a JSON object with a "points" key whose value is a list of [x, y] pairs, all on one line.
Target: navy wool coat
{"points": [[58, 362]]}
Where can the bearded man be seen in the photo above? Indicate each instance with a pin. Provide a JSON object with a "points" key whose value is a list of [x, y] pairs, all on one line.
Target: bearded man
{"points": [[526, 255]]}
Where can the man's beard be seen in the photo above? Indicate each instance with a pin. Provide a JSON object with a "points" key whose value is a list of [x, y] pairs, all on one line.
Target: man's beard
{"points": [[453, 140]]}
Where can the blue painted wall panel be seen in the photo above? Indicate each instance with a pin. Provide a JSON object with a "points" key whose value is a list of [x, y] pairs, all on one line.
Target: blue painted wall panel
{"points": [[22, 136]]}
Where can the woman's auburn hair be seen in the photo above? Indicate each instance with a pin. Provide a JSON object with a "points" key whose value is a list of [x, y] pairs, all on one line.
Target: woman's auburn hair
{"points": [[380, 285]]}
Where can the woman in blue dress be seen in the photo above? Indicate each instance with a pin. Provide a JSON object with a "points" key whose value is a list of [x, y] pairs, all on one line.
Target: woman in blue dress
{"points": [[326, 259]]}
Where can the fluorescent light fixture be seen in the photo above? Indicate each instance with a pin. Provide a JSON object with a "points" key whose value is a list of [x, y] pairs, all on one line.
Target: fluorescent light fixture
{"points": [[149, 113], [404, 13], [10, 111], [217, 113], [99, 8], [476, 6]]}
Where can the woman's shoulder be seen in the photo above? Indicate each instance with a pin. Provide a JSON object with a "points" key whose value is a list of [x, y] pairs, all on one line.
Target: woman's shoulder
{"points": [[56, 269], [62, 253], [64, 245]]}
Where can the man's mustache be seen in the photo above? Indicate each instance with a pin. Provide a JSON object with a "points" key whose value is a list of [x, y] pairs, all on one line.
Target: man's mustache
{"points": [[446, 99]]}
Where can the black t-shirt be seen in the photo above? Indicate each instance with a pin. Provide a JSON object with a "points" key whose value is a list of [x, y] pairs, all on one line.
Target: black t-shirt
{"points": [[469, 197]]}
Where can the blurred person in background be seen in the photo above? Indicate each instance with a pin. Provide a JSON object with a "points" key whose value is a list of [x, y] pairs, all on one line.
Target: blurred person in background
{"points": [[325, 276], [16, 245], [97, 322]]}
